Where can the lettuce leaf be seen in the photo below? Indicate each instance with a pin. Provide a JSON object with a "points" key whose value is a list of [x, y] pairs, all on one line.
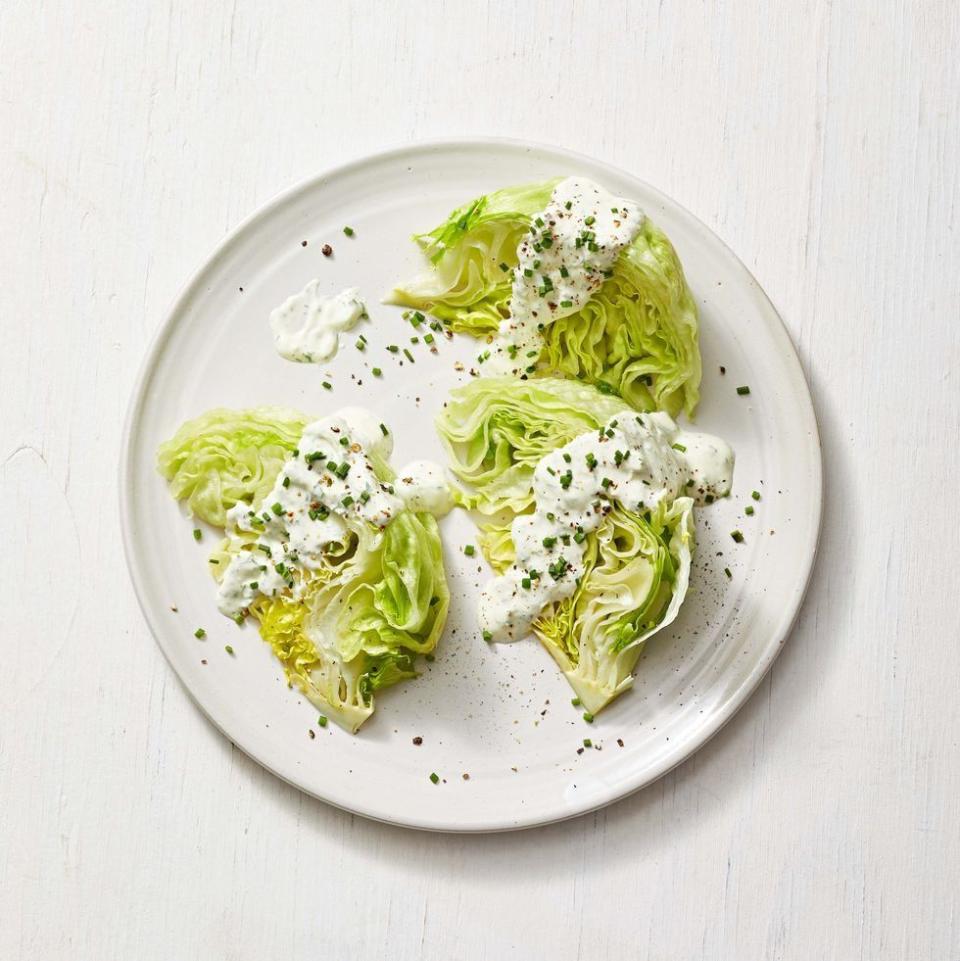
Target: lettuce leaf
{"points": [[637, 337], [465, 285], [636, 577], [227, 456]]}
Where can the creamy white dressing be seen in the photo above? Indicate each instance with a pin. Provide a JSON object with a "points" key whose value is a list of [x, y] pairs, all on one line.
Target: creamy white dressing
{"points": [[307, 326], [563, 260], [325, 487], [636, 461], [423, 486]]}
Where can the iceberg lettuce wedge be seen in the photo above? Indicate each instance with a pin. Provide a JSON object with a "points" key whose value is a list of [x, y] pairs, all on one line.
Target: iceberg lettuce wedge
{"points": [[636, 337], [355, 623]]}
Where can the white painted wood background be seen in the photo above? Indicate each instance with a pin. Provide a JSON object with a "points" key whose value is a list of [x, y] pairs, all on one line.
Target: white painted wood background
{"points": [[820, 140]]}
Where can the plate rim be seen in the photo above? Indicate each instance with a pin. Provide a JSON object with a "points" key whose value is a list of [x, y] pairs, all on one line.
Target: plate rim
{"points": [[807, 425]]}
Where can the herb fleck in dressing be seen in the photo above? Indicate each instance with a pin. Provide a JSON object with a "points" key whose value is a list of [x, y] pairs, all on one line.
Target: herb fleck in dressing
{"points": [[306, 327], [564, 258], [636, 460]]}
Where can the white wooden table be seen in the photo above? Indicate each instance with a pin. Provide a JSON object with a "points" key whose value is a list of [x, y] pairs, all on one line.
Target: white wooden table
{"points": [[820, 140]]}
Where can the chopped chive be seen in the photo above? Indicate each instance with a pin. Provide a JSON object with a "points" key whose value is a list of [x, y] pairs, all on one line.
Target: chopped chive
{"points": [[549, 542], [726, 571], [469, 550], [228, 648], [331, 465], [504, 267], [347, 501], [408, 355], [348, 231], [527, 272], [254, 586], [364, 497], [417, 318], [197, 533], [575, 701], [360, 345], [414, 340], [587, 742], [737, 536], [748, 510], [376, 371], [679, 447], [434, 777], [322, 720], [393, 348], [566, 303], [567, 457], [327, 385], [568, 204], [277, 508], [286, 483], [564, 272], [588, 717], [743, 391], [428, 338], [199, 633], [344, 441], [342, 470], [525, 583], [487, 636], [590, 221], [580, 536], [755, 495]]}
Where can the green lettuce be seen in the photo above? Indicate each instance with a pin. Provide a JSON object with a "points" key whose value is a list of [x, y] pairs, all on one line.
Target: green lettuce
{"points": [[637, 569], [378, 600], [465, 285], [226, 456], [636, 337]]}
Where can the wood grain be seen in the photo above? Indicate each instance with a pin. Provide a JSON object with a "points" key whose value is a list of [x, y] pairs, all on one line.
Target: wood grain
{"points": [[821, 141]]}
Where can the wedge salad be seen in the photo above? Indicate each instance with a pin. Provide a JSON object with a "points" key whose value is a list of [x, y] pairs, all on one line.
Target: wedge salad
{"points": [[565, 447], [345, 581]]}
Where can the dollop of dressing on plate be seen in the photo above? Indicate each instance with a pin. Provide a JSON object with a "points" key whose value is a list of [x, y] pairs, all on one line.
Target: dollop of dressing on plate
{"points": [[423, 486], [635, 460], [330, 482], [307, 326], [564, 258]]}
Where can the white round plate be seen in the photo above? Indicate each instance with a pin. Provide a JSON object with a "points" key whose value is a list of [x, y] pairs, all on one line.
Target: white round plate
{"points": [[500, 714]]}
